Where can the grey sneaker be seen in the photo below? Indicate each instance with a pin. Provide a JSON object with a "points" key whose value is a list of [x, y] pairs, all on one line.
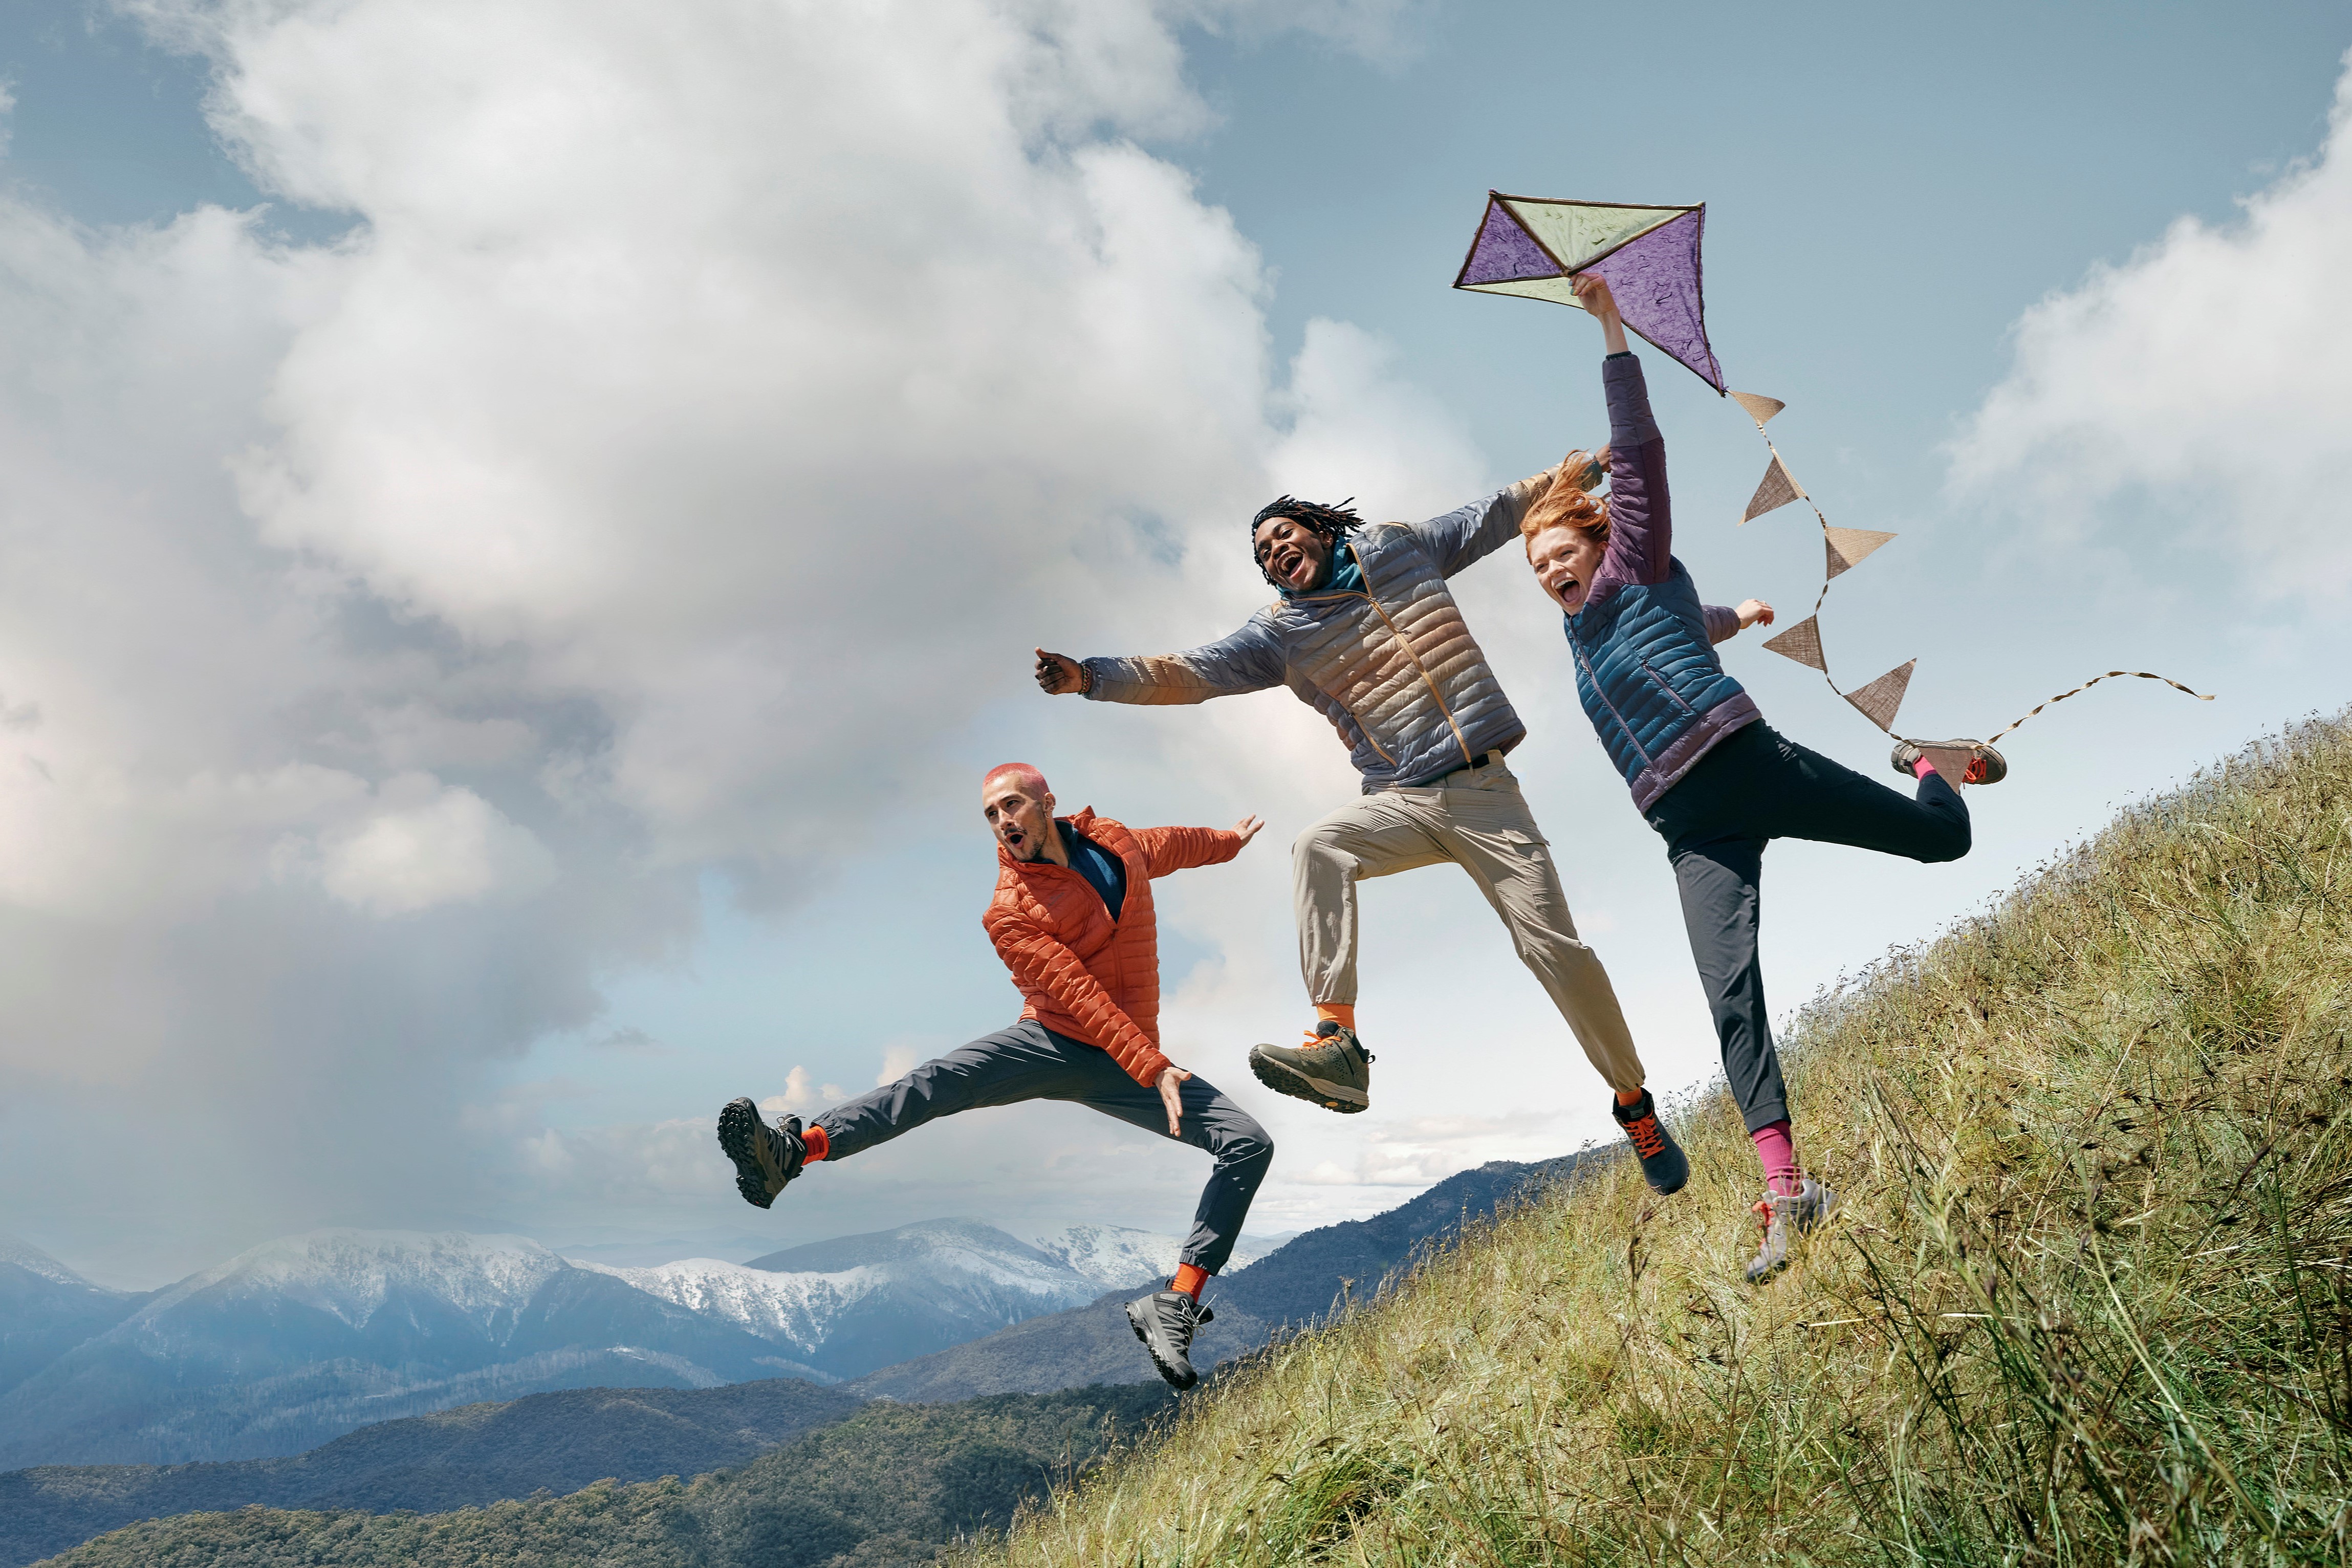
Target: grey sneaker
{"points": [[1785, 1214], [765, 1157], [1986, 766], [1164, 1321], [1664, 1164], [1333, 1069]]}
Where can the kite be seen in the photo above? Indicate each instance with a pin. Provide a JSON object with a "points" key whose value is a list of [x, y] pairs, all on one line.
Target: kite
{"points": [[1534, 247]]}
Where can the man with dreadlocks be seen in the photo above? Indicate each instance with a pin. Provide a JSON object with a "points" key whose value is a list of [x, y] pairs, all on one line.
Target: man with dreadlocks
{"points": [[1366, 632]]}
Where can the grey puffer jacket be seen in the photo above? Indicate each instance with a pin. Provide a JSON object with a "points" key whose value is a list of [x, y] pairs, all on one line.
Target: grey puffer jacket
{"points": [[1392, 667]]}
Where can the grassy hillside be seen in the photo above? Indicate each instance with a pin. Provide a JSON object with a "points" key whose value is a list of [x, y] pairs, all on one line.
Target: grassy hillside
{"points": [[886, 1485], [2086, 1301]]}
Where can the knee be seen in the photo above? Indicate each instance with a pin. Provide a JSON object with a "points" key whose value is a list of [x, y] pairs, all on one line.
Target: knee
{"points": [[1318, 847], [1242, 1144], [1955, 844]]}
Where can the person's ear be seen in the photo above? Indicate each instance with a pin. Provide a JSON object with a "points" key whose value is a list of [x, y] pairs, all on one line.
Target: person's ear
{"points": [[1049, 803]]}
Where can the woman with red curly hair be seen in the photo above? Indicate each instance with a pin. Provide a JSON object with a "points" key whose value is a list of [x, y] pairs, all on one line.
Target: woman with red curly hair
{"points": [[1709, 773]]}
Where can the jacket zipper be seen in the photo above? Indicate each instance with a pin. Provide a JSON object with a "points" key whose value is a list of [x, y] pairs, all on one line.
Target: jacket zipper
{"points": [[1419, 668], [1603, 693], [1660, 682]]}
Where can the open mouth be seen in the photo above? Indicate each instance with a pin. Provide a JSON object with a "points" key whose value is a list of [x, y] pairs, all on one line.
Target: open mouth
{"points": [[1290, 565], [1013, 840]]}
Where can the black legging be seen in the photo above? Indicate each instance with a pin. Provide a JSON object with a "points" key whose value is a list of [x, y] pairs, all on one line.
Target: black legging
{"points": [[1751, 789]]}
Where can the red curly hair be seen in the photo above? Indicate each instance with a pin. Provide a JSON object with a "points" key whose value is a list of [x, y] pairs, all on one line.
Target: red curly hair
{"points": [[1566, 503]]}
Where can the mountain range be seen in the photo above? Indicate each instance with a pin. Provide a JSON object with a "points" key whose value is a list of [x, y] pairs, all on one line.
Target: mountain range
{"points": [[299, 1341], [889, 1486]]}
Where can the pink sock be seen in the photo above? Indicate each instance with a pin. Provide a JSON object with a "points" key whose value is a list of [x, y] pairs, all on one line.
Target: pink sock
{"points": [[1779, 1155], [1922, 768]]}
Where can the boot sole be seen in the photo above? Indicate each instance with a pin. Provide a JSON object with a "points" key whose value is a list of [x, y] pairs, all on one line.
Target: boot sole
{"points": [[739, 1128], [1178, 1379], [1289, 1080]]}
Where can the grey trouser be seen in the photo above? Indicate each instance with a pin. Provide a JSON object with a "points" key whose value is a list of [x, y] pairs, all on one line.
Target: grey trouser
{"points": [[1030, 1061], [1478, 819], [1753, 787]]}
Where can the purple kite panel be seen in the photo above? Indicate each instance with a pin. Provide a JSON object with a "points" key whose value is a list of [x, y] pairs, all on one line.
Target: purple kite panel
{"points": [[1505, 253], [1656, 280]]}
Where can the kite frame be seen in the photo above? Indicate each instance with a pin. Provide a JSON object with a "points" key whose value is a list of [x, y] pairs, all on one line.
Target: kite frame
{"points": [[1698, 258]]}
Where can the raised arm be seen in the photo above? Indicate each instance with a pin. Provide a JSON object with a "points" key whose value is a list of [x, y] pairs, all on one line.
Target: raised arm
{"points": [[1475, 531], [1040, 961], [1249, 661], [1641, 519]]}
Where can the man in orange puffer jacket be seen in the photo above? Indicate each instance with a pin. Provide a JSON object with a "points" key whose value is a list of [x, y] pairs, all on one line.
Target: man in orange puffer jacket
{"points": [[1073, 920]]}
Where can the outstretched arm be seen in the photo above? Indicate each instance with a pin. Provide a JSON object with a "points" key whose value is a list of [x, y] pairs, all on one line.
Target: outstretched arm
{"points": [[1249, 661], [1723, 622], [1041, 962], [1170, 849]]}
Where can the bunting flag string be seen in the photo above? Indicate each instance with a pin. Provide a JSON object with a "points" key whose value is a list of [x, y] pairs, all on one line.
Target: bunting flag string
{"points": [[1536, 248]]}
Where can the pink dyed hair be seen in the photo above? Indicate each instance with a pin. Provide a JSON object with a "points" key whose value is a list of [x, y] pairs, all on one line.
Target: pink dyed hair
{"points": [[1031, 781]]}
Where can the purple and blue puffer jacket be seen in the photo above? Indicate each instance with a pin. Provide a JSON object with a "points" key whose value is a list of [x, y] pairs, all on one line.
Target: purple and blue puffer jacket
{"points": [[1391, 666], [1646, 669]]}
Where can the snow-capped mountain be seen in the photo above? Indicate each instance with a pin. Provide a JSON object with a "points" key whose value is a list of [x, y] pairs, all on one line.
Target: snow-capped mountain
{"points": [[1118, 1258], [301, 1340], [872, 1299], [47, 1308]]}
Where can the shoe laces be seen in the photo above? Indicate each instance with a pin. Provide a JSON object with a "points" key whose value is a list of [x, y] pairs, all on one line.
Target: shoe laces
{"points": [[1649, 1138], [1764, 1214]]}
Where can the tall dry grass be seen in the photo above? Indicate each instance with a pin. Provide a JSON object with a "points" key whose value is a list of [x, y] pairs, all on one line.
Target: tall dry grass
{"points": [[2086, 1300]]}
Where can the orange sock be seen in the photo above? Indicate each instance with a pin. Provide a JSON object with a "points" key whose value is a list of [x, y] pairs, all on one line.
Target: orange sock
{"points": [[1631, 1096], [1341, 1013], [1189, 1278], [814, 1139]]}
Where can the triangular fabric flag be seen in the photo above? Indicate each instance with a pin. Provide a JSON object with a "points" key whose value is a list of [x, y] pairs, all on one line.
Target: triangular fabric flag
{"points": [[1760, 407], [1802, 642], [1849, 546], [1878, 700], [1534, 247], [1952, 762], [1779, 488]]}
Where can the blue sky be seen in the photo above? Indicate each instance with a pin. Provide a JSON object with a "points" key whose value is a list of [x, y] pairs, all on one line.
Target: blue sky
{"points": [[1891, 195]]}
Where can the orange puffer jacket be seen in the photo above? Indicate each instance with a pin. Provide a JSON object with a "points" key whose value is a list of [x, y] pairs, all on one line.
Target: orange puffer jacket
{"points": [[1080, 974]]}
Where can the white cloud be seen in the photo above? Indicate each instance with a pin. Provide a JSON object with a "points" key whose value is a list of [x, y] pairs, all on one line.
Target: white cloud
{"points": [[897, 1061], [2197, 390], [431, 844], [401, 630], [797, 1095]]}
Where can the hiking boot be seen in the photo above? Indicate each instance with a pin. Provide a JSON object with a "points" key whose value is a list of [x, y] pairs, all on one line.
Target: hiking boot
{"points": [[1986, 766], [765, 1157], [1332, 1069], [1785, 1214], [1663, 1163], [1164, 1321]]}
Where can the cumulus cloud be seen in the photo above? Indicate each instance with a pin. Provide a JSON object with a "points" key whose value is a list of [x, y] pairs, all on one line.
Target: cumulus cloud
{"points": [[2197, 388], [400, 629]]}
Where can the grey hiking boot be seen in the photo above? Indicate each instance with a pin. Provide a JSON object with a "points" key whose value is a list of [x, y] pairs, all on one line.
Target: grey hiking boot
{"points": [[1164, 1321], [1787, 1214], [765, 1157], [1664, 1164], [1985, 765], [1333, 1069]]}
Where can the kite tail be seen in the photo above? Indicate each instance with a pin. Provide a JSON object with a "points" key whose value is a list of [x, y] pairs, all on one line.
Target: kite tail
{"points": [[2142, 674]]}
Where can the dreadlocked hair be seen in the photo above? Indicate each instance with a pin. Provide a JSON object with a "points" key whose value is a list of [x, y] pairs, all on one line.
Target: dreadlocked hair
{"points": [[1327, 523], [1566, 503]]}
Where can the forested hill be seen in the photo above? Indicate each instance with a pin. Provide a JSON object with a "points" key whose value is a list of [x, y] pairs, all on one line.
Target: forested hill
{"points": [[888, 1485], [472, 1455]]}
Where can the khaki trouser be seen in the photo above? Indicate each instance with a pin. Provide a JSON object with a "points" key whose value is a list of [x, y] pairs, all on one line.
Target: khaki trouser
{"points": [[1476, 818]]}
